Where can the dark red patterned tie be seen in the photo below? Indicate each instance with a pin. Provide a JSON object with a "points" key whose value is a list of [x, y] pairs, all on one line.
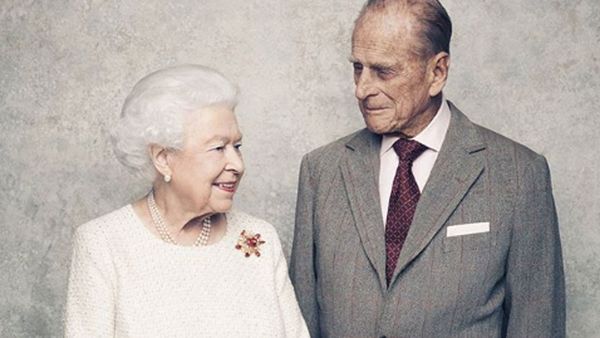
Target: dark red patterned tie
{"points": [[403, 202]]}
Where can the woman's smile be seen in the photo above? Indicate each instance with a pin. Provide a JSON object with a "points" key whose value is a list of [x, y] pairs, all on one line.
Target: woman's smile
{"points": [[229, 187]]}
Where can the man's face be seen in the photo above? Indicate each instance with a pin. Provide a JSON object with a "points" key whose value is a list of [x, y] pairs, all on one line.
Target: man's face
{"points": [[392, 82]]}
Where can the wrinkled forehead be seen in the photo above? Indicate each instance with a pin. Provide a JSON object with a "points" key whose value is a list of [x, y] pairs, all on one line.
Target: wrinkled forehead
{"points": [[387, 24], [385, 31]]}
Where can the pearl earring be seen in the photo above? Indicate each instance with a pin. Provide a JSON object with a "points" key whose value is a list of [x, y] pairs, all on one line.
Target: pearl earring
{"points": [[167, 178]]}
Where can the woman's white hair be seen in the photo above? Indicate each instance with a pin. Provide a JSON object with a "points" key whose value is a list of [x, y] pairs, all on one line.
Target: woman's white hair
{"points": [[154, 111]]}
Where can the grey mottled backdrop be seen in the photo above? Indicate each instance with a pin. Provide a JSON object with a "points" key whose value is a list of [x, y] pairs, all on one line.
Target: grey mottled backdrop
{"points": [[525, 68]]}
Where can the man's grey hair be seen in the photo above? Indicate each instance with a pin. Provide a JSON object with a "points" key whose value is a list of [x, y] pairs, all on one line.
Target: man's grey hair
{"points": [[436, 26], [154, 112]]}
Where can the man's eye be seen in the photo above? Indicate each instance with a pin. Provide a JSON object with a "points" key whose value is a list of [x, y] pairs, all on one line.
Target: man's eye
{"points": [[357, 67], [219, 148], [238, 146], [384, 72]]}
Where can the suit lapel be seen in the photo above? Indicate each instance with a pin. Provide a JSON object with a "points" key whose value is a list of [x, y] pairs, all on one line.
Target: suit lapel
{"points": [[459, 164], [360, 172]]}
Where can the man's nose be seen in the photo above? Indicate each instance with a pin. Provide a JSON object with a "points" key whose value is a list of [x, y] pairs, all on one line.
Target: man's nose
{"points": [[365, 86]]}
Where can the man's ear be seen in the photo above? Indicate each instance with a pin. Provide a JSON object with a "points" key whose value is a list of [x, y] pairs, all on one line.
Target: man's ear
{"points": [[439, 66], [159, 156]]}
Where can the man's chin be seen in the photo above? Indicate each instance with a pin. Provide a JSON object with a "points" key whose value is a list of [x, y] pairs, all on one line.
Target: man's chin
{"points": [[379, 129]]}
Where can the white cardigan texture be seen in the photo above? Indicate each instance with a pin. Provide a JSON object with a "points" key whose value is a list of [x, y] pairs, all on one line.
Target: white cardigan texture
{"points": [[125, 282]]}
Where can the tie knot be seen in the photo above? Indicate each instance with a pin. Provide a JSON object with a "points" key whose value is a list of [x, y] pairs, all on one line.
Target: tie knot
{"points": [[408, 150]]}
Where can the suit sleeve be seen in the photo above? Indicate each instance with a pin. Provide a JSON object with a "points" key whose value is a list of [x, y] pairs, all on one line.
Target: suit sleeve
{"points": [[302, 268], [535, 285]]}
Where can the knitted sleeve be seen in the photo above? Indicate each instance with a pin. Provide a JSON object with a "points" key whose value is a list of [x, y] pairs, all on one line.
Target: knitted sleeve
{"points": [[288, 304], [90, 296]]}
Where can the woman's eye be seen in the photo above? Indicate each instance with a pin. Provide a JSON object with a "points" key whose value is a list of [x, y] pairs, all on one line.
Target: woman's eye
{"points": [[238, 146], [219, 148]]}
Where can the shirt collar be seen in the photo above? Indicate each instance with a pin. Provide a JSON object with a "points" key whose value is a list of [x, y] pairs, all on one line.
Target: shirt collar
{"points": [[432, 136]]}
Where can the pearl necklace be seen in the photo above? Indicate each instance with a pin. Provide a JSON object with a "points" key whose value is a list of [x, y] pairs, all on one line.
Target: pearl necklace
{"points": [[161, 225]]}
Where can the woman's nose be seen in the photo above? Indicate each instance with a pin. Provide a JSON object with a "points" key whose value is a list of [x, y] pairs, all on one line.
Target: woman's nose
{"points": [[235, 161]]}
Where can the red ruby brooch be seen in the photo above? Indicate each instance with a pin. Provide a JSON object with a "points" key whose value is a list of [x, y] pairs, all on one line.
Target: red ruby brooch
{"points": [[249, 243]]}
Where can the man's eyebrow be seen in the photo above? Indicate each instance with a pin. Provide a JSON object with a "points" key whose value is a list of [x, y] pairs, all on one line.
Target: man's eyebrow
{"points": [[382, 66], [374, 65]]}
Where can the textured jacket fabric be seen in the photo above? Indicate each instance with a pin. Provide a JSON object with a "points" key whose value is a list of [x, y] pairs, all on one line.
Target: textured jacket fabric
{"points": [[125, 282], [507, 282]]}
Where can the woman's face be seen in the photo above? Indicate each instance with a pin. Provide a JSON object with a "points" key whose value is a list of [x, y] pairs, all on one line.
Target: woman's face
{"points": [[208, 170]]}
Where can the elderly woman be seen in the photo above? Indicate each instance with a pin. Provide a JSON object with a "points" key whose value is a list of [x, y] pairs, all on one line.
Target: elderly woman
{"points": [[179, 262]]}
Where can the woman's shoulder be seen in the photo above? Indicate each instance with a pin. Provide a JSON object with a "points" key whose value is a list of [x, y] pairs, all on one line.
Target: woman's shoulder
{"points": [[109, 223], [240, 220]]}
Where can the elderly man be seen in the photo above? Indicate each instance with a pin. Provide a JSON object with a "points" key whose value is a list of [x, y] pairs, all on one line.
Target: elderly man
{"points": [[424, 224]]}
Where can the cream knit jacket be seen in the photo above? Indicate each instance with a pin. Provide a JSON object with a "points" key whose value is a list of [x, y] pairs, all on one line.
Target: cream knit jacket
{"points": [[125, 282]]}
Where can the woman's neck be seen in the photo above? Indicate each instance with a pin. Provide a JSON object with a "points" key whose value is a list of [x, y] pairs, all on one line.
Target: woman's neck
{"points": [[183, 226], [177, 216]]}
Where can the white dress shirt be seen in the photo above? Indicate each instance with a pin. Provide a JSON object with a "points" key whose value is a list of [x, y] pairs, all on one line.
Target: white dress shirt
{"points": [[432, 137]]}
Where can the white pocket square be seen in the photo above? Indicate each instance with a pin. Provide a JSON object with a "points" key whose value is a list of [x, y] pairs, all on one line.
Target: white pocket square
{"points": [[467, 229]]}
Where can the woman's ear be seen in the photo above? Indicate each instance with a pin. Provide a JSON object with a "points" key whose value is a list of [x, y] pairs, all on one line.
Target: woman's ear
{"points": [[160, 159], [440, 65]]}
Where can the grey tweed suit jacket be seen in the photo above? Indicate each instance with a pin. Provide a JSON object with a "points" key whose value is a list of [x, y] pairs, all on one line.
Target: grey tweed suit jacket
{"points": [[507, 282]]}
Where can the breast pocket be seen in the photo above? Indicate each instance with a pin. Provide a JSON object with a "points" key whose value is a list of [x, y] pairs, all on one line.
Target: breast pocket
{"points": [[468, 237]]}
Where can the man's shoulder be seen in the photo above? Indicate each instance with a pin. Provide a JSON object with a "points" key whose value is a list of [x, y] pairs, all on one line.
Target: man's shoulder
{"points": [[333, 151], [503, 148], [498, 147]]}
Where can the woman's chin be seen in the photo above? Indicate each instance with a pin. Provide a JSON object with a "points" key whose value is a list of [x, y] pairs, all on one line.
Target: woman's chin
{"points": [[222, 206]]}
